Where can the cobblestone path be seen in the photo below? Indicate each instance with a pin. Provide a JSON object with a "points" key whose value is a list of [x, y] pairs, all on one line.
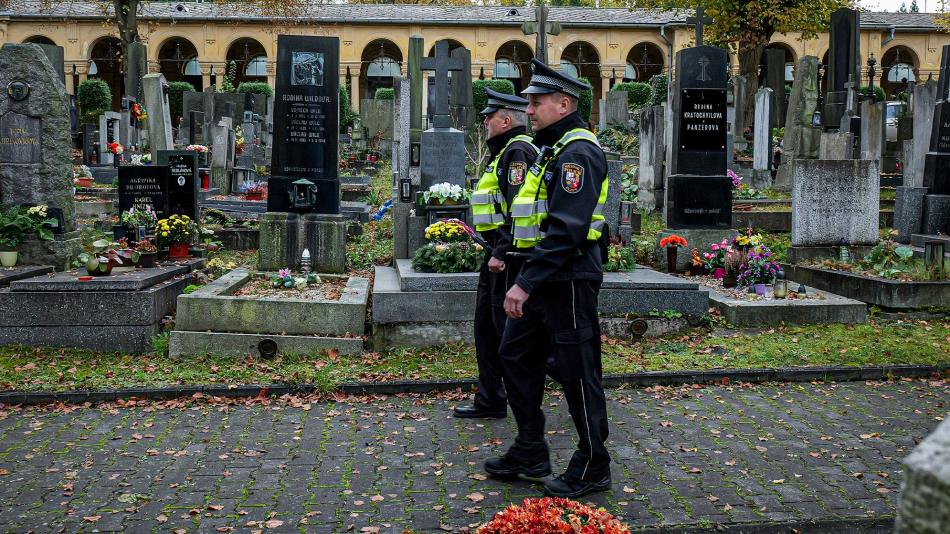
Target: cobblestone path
{"points": [[682, 456]]}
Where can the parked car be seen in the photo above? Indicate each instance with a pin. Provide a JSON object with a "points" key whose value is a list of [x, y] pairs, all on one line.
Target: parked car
{"points": [[892, 110]]}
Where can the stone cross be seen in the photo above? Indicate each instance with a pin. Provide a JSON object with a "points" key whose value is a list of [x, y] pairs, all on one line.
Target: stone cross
{"points": [[699, 21], [541, 28], [852, 100], [441, 64]]}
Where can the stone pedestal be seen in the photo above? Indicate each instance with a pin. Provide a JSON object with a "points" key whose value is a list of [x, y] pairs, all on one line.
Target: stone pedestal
{"points": [[834, 201], [284, 236], [60, 252], [908, 211], [936, 218], [924, 504], [700, 239]]}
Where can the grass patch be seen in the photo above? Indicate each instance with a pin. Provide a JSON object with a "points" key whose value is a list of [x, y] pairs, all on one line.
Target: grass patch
{"points": [[43, 369]]}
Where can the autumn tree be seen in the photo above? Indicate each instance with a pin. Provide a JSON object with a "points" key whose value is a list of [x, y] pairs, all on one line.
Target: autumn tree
{"points": [[747, 26]]}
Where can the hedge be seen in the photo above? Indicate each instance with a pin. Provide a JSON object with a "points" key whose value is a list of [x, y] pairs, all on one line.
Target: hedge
{"points": [[586, 101], [878, 90], [94, 98], [347, 115], [175, 90], [257, 88], [480, 98], [385, 93], [638, 94]]}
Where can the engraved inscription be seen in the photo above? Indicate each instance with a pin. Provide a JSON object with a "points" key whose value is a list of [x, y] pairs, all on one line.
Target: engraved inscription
{"points": [[19, 138]]}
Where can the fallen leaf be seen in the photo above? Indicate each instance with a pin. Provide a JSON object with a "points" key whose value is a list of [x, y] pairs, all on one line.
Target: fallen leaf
{"points": [[628, 489], [4, 472], [475, 497], [161, 518], [273, 523], [333, 354], [779, 481], [377, 498], [727, 507], [215, 507], [871, 435], [370, 530], [712, 498], [760, 448], [478, 476], [92, 518]]}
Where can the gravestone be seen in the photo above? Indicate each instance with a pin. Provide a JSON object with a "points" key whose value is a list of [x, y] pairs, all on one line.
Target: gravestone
{"points": [[925, 101], [775, 80], [843, 54], [144, 186], [377, 118], [617, 109], [35, 141], [834, 201], [183, 183], [443, 147], [699, 139], [159, 117], [196, 128], [801, 137], [55, 55], [872, 131], [90, 144], [836, 145], [612, 205], [650, 189], [461, 96], [937, 161], [108, 133], [908, 211], [762, 139], [222, 154], [738, 122], [191, 102]]}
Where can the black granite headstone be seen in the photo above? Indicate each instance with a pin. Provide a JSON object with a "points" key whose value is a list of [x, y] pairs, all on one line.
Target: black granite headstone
{"points": [[90, 138], [183, 181], [142, 186], [775, 80], [700, 202], [306, 121], [844, 49], [943, 83]]}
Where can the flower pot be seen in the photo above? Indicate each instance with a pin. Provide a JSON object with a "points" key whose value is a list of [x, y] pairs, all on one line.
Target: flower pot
{"points": [[759, 289], [729, 280], [147, 259], [119, 231], [84, 182], [718, 273], [95, 268], [254, 196], [8, 258], [178, 251], [671, 253]]}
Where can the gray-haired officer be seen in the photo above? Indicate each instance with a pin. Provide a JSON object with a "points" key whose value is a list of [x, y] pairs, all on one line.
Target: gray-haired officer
{"points": [[510, 154], [558, 222]]}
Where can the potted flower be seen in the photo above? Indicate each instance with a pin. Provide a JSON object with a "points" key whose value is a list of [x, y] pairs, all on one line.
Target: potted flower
{"points": [[177, 232], [16, 223], [715, 260], [127, 254], [146, 159], [254, 190], [450, 249], [747, 240], [672, 243], [148, 253], [104, 255], [734, 261], [82, 176], [116, 149], [758, 270], [445, 193], [135, 218]]}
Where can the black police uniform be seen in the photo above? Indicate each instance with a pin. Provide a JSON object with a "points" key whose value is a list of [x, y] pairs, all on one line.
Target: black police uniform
{"points": [[490, 400], [563, 275]]}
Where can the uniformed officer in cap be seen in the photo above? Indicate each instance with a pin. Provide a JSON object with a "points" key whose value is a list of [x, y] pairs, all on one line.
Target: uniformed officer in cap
{"points": [[510, 154], [557, 222]]}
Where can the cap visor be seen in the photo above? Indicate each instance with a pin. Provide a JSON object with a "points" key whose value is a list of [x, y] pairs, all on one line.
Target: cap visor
{"points": [[537, 90], [488, 111]]}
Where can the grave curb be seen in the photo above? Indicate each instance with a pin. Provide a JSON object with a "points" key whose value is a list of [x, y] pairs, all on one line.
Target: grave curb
{"points": [[632, 380], [845, 525]]}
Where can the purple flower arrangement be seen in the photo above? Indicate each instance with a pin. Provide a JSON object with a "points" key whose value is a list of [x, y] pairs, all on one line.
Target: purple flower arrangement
{"points": [[759, 268], [736, 179]]}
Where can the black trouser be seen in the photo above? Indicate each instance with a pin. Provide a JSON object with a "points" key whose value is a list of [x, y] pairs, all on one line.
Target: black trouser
{"points": [[560, 318], [489, 325]]}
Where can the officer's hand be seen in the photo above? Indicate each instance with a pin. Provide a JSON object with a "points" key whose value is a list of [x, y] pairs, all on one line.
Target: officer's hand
{"points": [[514, 301], [495, 265]]}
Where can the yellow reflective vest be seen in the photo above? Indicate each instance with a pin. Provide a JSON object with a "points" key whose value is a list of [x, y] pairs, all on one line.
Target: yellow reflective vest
{"points": [[489, 206], [530, 207]]}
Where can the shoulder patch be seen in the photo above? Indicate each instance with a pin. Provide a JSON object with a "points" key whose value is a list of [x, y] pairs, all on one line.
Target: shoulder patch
{"points": [[572, 177], [516, 172]]}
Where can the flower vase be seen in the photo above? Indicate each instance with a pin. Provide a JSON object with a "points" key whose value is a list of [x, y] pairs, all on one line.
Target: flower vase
{"points": [[671, 253], [147, 260], [178, 251], [729, 280], [719, 273], [8, 258], [759, 289]]}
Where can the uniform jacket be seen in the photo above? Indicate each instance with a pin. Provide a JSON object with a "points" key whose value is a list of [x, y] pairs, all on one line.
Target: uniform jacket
{"points": [[565, 253], [511, 172]]}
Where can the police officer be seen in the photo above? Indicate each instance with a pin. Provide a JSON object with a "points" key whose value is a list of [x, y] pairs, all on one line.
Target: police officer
{"points": [[510, 154], [558, 222]]}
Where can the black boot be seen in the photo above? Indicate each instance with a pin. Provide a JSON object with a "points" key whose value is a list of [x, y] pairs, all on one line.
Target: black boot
{"points": [[571, 488], [507, 469], [473, 411]]}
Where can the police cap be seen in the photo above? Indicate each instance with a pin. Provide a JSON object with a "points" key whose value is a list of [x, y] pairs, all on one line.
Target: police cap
{"points": [[498, 101], [545, 80]]}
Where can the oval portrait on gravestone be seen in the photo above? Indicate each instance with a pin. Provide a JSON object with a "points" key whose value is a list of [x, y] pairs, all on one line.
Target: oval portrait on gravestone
{"points": [[181, 181], [18, 90]]}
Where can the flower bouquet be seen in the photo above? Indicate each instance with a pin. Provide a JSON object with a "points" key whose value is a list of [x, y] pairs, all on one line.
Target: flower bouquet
{"points": [[284, 279], [747, 240], [140, 217], [758, 270], [201, 149], [138, 112], [445, 193], [116, 149], [672, 243], [177, 232], [254, 190], [547, 514], [450, 249], [715, 260]]}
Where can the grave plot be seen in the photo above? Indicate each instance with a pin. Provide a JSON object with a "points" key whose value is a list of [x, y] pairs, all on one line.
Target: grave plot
{"points": [[243, 313], [120, 312], [420, 309]]}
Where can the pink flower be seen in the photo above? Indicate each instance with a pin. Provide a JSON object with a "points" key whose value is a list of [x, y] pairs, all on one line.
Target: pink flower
{"points": [[283, 273]]}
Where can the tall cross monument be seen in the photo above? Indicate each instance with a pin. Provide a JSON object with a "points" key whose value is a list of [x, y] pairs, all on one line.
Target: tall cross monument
{"points": [[441, 64], [541, 28]]}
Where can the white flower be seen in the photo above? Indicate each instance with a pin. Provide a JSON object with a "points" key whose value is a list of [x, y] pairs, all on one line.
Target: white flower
{"points": [[300, 283], [39, 211]]}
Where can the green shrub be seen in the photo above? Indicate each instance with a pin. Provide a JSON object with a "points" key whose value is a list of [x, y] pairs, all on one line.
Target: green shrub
{"points": [[638, 94], [385, 93], [586, 101], [94, 98], [480, 98], [257, 88], [660, 85], [347, 115], [175, 90], [878, 91]]}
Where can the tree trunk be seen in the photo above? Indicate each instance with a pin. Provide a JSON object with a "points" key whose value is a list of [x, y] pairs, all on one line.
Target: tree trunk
{"points": [[749, 60], [126, 18]]}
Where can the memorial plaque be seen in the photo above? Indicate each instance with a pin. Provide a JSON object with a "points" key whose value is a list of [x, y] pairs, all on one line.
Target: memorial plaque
{"points": [[703, 121], [306, 120], [700, 202], [19, 138], [142, 186]]}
